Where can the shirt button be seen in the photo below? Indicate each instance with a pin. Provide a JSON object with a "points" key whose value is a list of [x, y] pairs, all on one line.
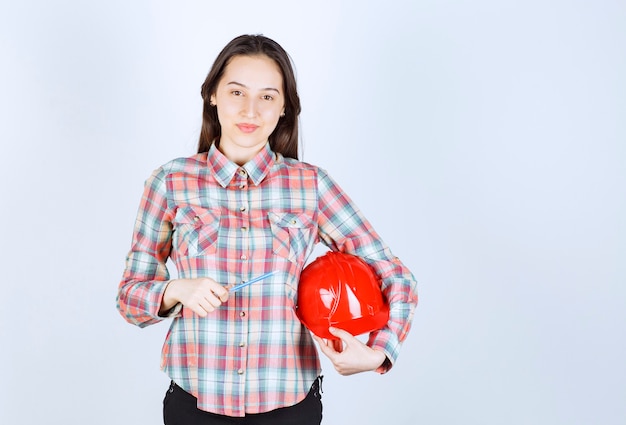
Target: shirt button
{"points": [[242, 172], [242, 186], [242, 208], [242, 314], [240, 371], [242, 344], [244, 257], [244, 229]]}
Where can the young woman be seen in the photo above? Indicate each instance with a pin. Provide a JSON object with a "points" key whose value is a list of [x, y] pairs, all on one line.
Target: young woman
{"points": [[244, 206]]}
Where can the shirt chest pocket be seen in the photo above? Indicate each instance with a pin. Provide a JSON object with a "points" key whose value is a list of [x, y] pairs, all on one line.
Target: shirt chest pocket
{"points": [[292, 235], [195, 230]]}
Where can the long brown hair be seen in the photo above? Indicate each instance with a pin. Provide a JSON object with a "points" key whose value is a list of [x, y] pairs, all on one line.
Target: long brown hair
{"points": [[284, 138]]}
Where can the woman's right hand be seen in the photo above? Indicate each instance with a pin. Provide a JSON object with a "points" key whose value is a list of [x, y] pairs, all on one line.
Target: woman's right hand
{"points": [[201, 295]]}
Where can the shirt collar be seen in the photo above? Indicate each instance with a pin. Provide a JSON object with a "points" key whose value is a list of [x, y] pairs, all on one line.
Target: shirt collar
{"points": [[224, 169]]}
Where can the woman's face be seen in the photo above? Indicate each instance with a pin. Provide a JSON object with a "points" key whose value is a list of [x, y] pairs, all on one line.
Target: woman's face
{"points": [[250, 100]]}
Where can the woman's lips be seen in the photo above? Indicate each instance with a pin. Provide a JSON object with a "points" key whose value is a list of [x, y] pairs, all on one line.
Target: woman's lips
{"points": [[247, 128]]}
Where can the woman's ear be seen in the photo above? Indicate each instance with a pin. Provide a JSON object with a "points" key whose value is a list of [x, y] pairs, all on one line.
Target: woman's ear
{"points": [[212, 100]]}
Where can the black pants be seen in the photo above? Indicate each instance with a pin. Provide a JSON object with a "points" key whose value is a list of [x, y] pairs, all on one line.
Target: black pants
{"points": [[180, 408]]}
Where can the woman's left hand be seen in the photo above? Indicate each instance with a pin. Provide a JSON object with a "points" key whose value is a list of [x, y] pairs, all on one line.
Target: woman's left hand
{"points": [[348, 354]]}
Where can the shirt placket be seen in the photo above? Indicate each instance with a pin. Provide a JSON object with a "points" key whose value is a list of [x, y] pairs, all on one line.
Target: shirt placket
{"points": [[243, 254]]}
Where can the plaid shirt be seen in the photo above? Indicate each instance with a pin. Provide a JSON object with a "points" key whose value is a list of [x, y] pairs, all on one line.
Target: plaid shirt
{"points": [[216, 219]]}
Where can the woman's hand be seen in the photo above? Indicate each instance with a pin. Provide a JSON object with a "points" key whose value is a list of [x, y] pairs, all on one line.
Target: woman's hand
{"points": [[349, 355], [201, 295]]}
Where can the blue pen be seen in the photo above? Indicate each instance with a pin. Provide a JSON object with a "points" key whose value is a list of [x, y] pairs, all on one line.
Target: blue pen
{"points": [[251, 281]]}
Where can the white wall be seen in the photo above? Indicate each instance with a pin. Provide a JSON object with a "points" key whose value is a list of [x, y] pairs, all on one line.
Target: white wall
{"points": [[485, 140]]}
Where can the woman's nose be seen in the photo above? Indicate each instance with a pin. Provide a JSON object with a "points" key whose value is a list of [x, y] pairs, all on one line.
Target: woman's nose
{"points": [[250, 107]]}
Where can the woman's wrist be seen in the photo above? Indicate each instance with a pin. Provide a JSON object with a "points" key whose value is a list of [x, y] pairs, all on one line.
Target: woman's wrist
{"points": [[169, 299]]}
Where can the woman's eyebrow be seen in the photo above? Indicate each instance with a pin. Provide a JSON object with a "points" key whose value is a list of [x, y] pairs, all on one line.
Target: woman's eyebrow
{"points": [[245, 87]]}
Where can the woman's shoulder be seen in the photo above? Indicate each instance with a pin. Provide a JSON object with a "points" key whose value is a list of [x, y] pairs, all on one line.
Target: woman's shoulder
{"points": [[296, 165], [189, 164]]}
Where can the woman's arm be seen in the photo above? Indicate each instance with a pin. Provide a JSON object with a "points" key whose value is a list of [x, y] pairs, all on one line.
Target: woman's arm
{"points": [[146, 277], [343, 228]]}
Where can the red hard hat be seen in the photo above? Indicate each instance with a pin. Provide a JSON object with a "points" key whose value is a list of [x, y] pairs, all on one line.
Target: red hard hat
{"points": [[342, 291]]}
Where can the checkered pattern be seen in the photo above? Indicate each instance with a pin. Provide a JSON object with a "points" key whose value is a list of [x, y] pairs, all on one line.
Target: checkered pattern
{"points": [[216, 219]]}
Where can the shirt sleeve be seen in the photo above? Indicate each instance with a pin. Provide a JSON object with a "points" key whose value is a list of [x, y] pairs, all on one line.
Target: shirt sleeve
{"points": [[145, 275], [343, 228]]}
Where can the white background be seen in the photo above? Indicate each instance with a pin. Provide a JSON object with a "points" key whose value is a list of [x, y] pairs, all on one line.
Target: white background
{"points": [[485, 141]]}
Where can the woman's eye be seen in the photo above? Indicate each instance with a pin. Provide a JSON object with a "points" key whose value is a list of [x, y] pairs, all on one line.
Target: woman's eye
{"points": [[267, 97], [236, 92]]}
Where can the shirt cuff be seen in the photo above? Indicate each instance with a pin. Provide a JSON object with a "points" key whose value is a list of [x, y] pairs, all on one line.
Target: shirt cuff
{"points": [[172, 312], [387, 342]]}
